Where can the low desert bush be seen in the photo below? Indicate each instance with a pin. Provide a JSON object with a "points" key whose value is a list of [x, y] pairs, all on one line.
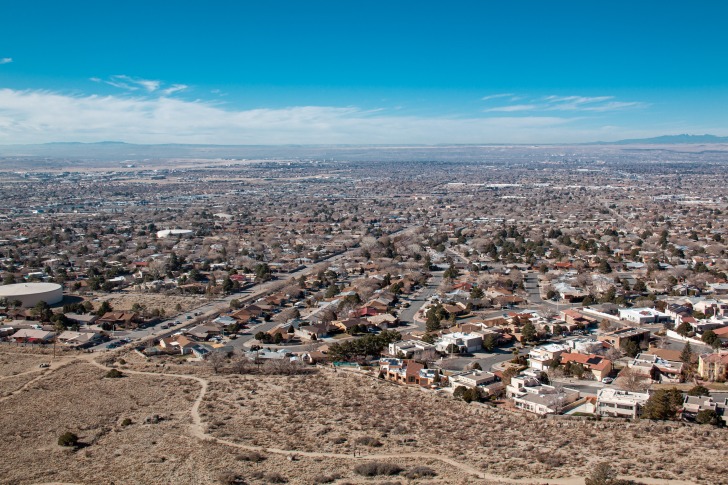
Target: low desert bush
{"points": [[68, 439], [321, 479], [126, 422], [227, 477], [275, 478], [253, 456], [114, 374], [369, 441], [420, 472], [375, 468]]}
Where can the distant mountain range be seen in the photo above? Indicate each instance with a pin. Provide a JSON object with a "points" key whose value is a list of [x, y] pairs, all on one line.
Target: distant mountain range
{"points": [[668, 140]]}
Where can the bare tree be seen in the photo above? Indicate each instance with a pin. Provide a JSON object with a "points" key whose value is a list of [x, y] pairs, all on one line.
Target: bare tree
{"points": [[633, 381], [216, 361]]}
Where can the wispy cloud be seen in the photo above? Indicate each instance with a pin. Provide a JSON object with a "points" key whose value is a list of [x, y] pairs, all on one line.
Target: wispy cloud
{"points": [[33, 116], [6, 60], [564, 103], [173, 89], [496, 96], [512, 108], [134, 84]]}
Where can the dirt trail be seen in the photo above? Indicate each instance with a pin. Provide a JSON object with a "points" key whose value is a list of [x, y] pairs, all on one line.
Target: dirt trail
{"points": [[197, 430], [54, 366]]}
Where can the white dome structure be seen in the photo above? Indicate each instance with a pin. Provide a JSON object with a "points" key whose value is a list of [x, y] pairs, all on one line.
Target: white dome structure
{"points": [[29, 294], [174, 232]]}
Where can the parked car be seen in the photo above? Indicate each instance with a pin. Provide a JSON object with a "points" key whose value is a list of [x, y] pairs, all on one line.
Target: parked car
{"points": [[607, 380]]}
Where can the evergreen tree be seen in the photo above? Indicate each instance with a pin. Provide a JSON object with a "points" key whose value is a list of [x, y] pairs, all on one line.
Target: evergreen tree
{"points": [[686, 356], [528, 332]]}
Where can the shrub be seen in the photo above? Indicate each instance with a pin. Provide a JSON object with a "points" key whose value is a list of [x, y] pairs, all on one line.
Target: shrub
{"points": [[275, 478], [114, 374], [68, 439], [699, 391], [420, 472], [369, 441], [126, 422], [227, 477], [321, 479], [253, 456], [375, 468], [707, 416]]}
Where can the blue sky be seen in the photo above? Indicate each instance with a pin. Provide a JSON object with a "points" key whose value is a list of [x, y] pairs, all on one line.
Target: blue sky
{"points": [[361, 72]]}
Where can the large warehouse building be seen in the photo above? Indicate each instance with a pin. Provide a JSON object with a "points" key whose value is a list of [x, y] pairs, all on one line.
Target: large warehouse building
{"points": [[29, 294]]}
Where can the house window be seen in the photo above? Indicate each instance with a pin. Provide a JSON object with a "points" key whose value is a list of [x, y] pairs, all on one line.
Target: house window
{"points": [[412, 378]]}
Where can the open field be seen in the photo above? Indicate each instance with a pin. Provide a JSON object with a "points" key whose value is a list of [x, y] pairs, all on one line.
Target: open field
{"points": [[13, 360], [343, 412], [126, 300], [214, 428]]}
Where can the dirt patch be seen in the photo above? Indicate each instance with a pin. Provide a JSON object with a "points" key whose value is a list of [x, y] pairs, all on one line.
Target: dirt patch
{"points": [[344, 413], [13, 361], [150, 301]]}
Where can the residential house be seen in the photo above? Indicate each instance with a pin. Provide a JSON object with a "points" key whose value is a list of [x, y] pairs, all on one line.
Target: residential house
{"points": [[692, 405], [204, 332], [402, 371], [585, 345], [474, 378], [383, 320], [529, 394], [115, 320], [178, 344], [713, 367], [539, 358], [465, 342], [617, 338], [313, 332], [596, 364], [722, 334], [79, 339], [410, 349], [657, 368], [348, 324], [368, 311], [574, 317], [620, 404], [32, 336], [643, 316]]}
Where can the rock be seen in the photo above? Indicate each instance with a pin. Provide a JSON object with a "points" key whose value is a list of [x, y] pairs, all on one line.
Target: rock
{"points": [[153, 419]]}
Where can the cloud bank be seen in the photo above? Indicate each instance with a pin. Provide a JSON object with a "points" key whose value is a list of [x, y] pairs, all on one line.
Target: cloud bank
{"points": [[31, 116]]}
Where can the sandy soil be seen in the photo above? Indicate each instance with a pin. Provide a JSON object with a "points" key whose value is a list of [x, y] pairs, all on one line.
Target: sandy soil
{"points": [[124, 301], [210, 425], [340, 413]]}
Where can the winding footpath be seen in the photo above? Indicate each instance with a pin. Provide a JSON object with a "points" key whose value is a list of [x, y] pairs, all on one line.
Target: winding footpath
{"points": [[197, 430]]}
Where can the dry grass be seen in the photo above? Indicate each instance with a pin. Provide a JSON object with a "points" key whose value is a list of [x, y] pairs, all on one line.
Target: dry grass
{"points": [[339, 413], [15, 360], [344, 413], [77, 398], [125, 300]]}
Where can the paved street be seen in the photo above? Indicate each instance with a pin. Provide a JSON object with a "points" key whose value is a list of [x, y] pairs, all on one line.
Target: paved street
{"points": [[407, 315]]}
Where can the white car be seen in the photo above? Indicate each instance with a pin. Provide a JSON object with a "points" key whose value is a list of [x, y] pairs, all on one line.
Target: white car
{"points": [[607, 380]]}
